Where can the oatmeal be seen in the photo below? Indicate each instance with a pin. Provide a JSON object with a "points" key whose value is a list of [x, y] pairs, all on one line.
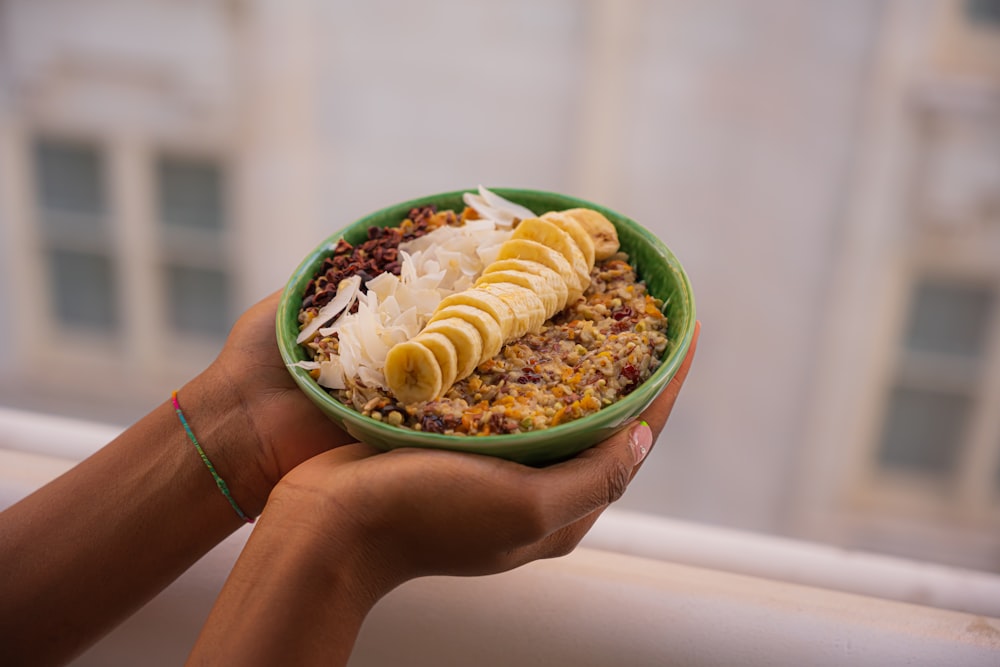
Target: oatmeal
{"points": [[605, 341]]}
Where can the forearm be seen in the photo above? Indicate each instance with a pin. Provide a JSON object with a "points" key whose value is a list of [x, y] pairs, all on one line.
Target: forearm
{"points": [[298, 595], [85, 551]]}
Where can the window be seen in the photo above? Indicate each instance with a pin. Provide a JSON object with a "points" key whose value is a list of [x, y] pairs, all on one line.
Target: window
{"points": [[949, 319], [190, 194], [69, 178], [76, 238], [191, 211], [83, 289], [985, 12], [932, 400]]}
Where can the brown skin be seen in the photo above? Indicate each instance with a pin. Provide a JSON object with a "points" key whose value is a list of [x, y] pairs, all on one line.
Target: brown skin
{"points": [[88, 549], [347, 526]]}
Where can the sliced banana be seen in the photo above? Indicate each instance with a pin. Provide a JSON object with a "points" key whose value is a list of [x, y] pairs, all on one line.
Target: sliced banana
{"points": [[548, 234], [599, 228], [526, 307], [466, 339], [551, 289], [579, 235], [486, 324], [536, 252], [412, 372], [544, 266], [447, 357], [490, 303]]}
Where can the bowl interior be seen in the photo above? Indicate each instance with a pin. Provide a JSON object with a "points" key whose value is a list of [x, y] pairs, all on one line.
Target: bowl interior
{"points": [[655, 264]]}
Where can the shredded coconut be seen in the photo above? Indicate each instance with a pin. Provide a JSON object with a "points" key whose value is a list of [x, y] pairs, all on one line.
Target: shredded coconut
{"points": [[392, 309]]}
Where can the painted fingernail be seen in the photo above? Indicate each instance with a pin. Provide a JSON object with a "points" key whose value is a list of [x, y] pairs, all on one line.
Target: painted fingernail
{"points": [[640, 439]]}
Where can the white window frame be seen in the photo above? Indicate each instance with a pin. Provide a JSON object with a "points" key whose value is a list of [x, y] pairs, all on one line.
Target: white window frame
{"points": [[145, 354]]}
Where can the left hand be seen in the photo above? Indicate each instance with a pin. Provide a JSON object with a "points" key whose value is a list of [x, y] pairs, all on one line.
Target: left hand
{"points": [[284, 427]]}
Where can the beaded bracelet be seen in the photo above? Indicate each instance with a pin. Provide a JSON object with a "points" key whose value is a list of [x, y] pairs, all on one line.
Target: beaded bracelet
{"points": [[204, 457]]}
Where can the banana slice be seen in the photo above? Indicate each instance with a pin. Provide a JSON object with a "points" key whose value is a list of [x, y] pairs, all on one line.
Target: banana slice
{"points": [[486, 324], [464, 337], [551, 290], [412, 372], [576, 231], [544, 266], [599, 228], [526, 307], [490, 303], [534, 251], [447, 357], [548, 234]]}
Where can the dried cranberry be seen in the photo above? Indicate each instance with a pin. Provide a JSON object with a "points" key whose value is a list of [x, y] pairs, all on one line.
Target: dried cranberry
{"points": [[529, 376], [631, 372], [622, 313]]}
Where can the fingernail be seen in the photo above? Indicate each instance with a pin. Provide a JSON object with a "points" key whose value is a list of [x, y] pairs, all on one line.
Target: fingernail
{"points": [[640, 439]]}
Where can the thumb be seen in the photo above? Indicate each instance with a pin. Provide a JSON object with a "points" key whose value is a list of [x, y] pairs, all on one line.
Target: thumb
{"points": [[640, 441], [594, 478]]}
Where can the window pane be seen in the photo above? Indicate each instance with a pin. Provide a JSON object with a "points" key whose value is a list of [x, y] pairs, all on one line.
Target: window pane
{"points": [[190, 194], [198, 300], [985, 12], [949, 319], [83, 288], [923, 430], [69, 177]]}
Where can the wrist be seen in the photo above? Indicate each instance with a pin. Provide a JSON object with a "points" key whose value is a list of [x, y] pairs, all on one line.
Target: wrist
{"points": [[219, 417], [298, 594], [335, 543]]}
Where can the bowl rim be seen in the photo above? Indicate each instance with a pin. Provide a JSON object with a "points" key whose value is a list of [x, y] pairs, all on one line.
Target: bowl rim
{"points": [[675, 357]]}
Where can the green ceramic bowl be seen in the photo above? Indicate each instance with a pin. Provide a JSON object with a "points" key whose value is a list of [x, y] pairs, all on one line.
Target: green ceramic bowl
{"points": [[664, 276]]}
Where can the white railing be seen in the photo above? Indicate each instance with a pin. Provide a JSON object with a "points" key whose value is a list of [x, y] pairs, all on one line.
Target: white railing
{"points": [[641, 591]]}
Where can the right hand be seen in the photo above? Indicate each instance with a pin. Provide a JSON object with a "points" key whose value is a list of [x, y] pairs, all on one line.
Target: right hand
{"points": [[415, 512]]}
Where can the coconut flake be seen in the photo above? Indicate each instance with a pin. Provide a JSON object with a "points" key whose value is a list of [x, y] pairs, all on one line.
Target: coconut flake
{"points": [[331, 374], [371, 378], [493, 207], [347, 292], [307, 365], [455, 251], [393, 309]]}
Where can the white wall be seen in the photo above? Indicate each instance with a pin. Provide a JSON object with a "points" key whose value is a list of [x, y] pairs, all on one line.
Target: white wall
{"points": [[729, 128], [731, 139], [724, 127]]}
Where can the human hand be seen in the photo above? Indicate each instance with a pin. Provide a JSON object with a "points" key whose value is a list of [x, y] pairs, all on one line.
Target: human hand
{"points": [[415, 512], [347, 526], [279, 428]]}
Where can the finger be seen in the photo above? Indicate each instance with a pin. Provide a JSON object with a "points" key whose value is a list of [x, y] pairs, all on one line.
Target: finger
{"points": [[593, 479], [347, 454], [558, 543], [563, 541]]}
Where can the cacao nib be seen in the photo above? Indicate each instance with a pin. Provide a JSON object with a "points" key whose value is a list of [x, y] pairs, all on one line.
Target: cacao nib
{"points": [[432, 424]]}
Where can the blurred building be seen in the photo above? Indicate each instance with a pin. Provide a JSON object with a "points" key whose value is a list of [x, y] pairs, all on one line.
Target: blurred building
{"points": [[828, 172]]}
